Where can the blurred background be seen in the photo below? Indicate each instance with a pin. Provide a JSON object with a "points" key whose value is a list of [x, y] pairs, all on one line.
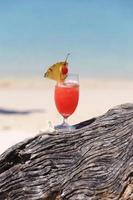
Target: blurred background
{"points": [[34, 34]]}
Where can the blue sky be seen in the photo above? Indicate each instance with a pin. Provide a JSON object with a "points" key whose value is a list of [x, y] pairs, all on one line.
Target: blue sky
{"points": [[36, 33]]}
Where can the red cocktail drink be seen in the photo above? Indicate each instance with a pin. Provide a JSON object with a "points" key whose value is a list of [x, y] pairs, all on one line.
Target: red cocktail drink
{"points": [[66, 98]]}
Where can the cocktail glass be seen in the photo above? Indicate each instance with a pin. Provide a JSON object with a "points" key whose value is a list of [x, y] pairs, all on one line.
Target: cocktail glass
{"points": [[66, 99]]}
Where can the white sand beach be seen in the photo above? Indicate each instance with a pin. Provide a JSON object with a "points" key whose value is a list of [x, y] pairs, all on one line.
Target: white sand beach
{"points": [[26, 106]]}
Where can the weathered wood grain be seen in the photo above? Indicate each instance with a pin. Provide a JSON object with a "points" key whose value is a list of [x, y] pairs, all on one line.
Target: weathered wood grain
{"points": [[94, 162]]}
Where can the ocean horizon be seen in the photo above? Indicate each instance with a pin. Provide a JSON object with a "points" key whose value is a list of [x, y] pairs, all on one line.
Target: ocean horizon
{"points": [[84, 72]]}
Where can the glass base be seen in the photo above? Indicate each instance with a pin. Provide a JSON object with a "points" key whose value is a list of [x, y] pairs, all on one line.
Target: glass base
{"points": [[64, 127]]}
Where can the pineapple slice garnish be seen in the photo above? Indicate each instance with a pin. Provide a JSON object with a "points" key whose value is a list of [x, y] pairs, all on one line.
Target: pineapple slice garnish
{"points": [[58, 71]]}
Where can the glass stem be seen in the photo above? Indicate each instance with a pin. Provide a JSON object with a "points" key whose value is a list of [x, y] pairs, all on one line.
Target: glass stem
{"points": [[64, 120]]}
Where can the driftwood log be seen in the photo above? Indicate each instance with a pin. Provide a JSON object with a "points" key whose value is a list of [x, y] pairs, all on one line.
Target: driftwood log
{"points": [[93, 162]]}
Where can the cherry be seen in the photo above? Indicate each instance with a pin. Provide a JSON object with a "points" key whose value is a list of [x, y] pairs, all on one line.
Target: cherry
{"points": [[64, 70]]}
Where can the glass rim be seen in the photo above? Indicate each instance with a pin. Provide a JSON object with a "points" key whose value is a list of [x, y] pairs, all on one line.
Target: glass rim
{"points": [[67, 81]]}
